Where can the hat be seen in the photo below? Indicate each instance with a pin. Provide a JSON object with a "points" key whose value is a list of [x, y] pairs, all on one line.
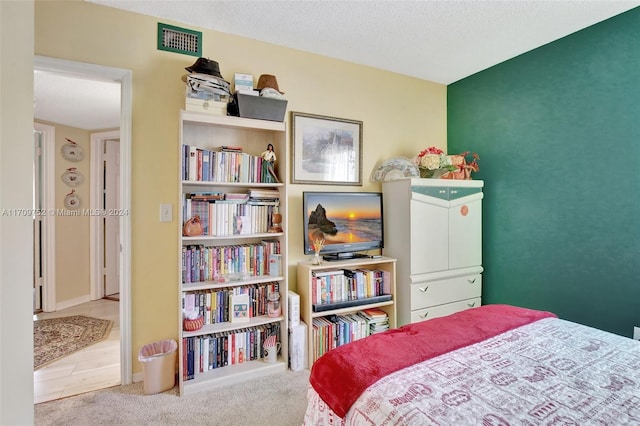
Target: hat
{"points": [[268, 81], [205, 66]]}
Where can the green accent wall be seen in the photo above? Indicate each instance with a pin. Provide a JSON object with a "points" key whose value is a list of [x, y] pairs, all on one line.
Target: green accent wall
{"points": [[558, 134]]}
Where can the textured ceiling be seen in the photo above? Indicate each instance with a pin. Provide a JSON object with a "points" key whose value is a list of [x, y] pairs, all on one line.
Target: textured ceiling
{"points": [[437, 40], [77, 102]]}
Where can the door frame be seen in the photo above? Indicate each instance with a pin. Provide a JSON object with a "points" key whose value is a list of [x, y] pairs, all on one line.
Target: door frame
{"points": [[124, 77], [95, 227], [48, 194]]}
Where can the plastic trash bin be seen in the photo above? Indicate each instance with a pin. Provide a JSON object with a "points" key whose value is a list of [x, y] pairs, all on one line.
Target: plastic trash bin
{"points": [[159, 365]]}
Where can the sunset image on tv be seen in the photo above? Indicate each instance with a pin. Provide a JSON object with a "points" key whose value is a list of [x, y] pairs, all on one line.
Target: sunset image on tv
{"points": [[338, 220]]}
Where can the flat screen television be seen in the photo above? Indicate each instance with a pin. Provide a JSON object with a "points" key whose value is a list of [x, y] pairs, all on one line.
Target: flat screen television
{"points": [[349, 223]]}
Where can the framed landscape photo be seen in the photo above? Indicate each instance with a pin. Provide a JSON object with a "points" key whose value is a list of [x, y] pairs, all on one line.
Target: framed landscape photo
{"points": [[326, 150]]}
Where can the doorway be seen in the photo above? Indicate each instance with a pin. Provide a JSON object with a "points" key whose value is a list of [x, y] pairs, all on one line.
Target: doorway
{"points": [[105, 228], [87, 72]]}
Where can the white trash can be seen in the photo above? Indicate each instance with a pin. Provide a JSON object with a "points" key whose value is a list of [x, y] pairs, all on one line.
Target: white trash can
{"points": [[159, 365]]}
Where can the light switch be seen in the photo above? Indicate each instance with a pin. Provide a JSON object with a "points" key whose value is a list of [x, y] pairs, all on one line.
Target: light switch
{"points": [[166, 212]]}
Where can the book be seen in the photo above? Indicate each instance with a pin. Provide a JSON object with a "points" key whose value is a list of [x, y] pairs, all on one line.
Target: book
{"points": [[275, 264], [243, 82], [241, 225], [294, 308], [239, 307], [193, 163]]}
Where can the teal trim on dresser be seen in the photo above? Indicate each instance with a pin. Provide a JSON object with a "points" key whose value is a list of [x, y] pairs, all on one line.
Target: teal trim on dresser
{"points": [[432, 191], [445, 193]]}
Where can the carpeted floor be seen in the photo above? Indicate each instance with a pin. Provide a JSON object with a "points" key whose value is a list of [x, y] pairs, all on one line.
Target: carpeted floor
{"points": [[56, 338], [277, 400]]}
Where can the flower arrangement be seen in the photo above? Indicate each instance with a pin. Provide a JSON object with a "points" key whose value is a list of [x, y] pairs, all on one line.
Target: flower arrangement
{"points": [[318, 244], [434, 163]]}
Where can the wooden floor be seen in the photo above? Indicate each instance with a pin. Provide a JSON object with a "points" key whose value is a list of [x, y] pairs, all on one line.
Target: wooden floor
{"points": [[95, 367]]}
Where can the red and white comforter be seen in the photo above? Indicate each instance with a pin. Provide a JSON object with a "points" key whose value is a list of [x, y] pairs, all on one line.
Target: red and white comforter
{"points": [[545, 372]]}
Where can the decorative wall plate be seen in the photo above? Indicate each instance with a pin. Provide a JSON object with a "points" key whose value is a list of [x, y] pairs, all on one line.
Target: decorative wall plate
{"points": [[72, 177], [72, 201], [72, 151], [395, 168]]}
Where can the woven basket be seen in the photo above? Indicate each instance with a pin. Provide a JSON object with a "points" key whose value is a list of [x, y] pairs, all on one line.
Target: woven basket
{"points": [[193, 324]]}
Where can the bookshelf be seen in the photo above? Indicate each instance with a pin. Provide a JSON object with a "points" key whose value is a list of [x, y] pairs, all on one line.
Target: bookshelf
{"points": [[235, 187], [307, 273]]}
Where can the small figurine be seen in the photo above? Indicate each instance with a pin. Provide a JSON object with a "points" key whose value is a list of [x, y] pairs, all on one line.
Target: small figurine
{"points": [[276, 219], [270, 157], [269, 154]]}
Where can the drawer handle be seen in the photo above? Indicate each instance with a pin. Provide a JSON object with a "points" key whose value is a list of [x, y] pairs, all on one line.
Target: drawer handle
{"points": [[423, 289], [424, 316], [472, 281], [471, 305], [442, 191], [454, 191]]}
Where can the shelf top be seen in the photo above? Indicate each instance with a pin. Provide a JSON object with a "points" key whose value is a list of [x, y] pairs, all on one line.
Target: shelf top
{"points": [[234, 122], [435, 182], [347, 262], [209, 183]]}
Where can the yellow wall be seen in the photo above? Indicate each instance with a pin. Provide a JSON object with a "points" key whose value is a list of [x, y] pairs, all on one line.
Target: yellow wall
{"points": [[401, 115], [73, 282]]}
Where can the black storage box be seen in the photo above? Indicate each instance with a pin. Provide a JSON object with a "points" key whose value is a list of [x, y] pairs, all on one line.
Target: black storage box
{"points": [[261, 107]]}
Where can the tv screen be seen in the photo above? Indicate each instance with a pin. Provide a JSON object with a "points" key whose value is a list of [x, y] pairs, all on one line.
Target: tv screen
{"points": [[349, 222]]}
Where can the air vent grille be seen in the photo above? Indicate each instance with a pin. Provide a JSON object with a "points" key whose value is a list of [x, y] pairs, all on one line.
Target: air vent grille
{"points": [[179, 40]]}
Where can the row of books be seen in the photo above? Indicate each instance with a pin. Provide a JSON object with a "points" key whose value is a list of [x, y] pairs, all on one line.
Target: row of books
{"points": [[333, 331], [224, 165], [377, 319], [203, 263], [216, 305], [231, 217], [337, 285], [208, 352]]}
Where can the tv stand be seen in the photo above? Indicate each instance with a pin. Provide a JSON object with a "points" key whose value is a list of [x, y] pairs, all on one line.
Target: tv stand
{"points": [[343, 256]]}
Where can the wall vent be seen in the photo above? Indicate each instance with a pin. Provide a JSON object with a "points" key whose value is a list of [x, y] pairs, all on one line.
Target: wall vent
{"points": [[179, 40]]}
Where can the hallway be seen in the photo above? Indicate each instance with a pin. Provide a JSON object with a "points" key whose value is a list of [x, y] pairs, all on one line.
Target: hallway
{"points": [[95, 367]]}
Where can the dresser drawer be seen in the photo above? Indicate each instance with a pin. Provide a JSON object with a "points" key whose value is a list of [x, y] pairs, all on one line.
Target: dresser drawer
{"points": [[442, 310], [438, 292]]}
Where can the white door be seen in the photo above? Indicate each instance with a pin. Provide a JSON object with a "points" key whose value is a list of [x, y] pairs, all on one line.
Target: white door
{"points": [[37, 222], [111, 221]]}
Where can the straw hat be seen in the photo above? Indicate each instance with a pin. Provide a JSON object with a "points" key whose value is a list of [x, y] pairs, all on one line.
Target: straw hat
{"points": [[268, 81]]}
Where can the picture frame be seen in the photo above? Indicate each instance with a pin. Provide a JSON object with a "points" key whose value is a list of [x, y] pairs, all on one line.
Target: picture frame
{"points": [[239, 308], [326, 150]]}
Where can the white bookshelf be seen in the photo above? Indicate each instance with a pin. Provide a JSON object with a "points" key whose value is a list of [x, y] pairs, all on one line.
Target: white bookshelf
{"points": [[210, 132], [305, 274]]}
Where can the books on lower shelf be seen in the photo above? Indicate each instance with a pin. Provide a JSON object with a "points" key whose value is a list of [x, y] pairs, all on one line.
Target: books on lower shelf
{"points": [[337, 288], [216, 350], [332, 331]]}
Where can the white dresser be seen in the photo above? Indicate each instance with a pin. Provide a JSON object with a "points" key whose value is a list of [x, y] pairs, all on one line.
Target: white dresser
{"points": [[433, 227]]}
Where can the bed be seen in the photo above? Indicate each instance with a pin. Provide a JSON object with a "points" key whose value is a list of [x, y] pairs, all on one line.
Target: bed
{"points": [[490, 365]]}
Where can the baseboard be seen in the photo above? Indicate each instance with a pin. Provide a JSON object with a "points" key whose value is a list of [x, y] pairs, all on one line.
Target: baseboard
{"points": [[138, 377], [73, 302]]}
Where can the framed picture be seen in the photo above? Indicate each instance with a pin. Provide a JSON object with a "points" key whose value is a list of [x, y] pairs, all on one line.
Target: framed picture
{"points": [[326, 150], [239, 308]]}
